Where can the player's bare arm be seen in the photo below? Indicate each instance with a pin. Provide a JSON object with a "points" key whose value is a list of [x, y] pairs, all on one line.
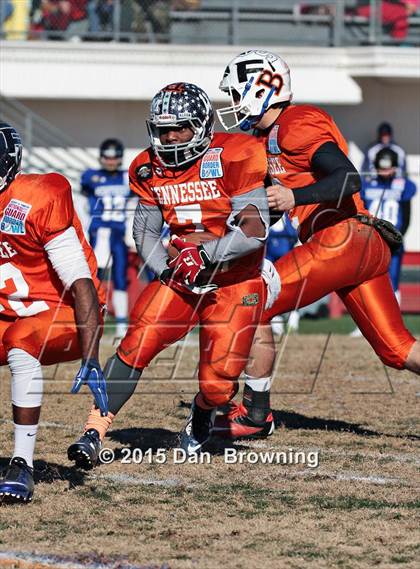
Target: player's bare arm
{"points": [[67, 257], [86, 308]]}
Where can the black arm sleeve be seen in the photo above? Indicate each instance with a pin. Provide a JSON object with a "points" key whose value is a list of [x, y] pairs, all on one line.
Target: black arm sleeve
{"points": [[406, 214], [339, 177]]}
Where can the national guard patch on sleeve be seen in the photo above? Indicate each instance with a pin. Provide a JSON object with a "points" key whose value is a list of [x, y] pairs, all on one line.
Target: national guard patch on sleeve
{"points": [[14, 218], [211, 164], [144, 172]]}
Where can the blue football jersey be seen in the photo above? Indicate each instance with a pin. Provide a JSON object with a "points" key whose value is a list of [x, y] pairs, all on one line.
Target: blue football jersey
{"points": [[281, 239], [108, 194], [383, 198]]}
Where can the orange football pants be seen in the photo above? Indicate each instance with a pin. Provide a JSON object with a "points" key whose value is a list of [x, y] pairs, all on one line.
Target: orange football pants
{"points": [[49, 336], [351, 259], [228, 319]]}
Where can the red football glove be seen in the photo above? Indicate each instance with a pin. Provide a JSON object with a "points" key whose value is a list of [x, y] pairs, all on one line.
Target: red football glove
{"points": [[190, 262], [182, 287]]}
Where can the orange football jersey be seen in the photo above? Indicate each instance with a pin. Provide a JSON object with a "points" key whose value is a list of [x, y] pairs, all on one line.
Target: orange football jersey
{"points": [[34, 209], [291, 142], [198, 198]]}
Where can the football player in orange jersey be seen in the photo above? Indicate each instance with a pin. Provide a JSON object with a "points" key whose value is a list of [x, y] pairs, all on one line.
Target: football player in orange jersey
{"points": [[49, 307], [344, 249], [196, 181]]}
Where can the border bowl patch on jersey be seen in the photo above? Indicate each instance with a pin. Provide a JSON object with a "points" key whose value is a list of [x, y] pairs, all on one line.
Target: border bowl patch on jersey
{"points": [[14, 217], [144, 172], [211, 164]]}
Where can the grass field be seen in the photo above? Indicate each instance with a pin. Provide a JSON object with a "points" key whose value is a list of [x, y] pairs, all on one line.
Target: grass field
{"points": [[331, 396]]}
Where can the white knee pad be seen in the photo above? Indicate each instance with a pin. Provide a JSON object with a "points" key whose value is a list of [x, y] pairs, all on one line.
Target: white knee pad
{"points": [[27, 381]]}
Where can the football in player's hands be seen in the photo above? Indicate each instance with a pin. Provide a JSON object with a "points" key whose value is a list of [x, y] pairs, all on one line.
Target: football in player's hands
{"points": [[197, 237], [190, 262]]}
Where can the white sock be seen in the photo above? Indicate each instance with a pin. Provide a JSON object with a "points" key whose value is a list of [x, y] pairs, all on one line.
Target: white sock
{"points": [[120, 304], [258, 383], [25, 437]]}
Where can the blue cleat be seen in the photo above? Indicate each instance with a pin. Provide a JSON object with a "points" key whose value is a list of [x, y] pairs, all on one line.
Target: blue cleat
{"points": [[18, 484], [85, 451], [198, 429]]}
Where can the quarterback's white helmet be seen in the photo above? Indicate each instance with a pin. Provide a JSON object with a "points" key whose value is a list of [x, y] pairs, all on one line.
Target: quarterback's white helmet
{"points": [[255, 80]]}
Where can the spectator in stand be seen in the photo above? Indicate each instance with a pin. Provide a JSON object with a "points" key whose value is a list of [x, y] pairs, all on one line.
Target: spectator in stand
{"points": [[6, 10], [58, 15], [152, 17], [384, 139], [395, 14], [101, 15]]}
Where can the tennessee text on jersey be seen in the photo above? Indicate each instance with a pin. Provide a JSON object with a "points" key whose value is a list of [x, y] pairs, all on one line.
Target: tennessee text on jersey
{"points": [[187, 192]]}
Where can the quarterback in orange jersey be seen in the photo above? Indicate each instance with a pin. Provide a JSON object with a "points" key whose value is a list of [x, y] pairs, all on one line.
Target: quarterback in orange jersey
{"points": [[344, 249], [198, 182], [49, 306]]}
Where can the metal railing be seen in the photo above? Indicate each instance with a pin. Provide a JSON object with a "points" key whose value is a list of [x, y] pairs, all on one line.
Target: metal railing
{"points": [[46, 147], [316, 22]]}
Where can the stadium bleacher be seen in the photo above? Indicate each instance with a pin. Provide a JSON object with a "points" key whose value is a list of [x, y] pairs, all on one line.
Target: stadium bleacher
{"points": [[215, 22]]}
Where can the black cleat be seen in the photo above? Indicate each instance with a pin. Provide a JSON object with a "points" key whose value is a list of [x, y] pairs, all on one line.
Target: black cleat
{"points": [[85, 451], [197, 431], [237, 424], [17, 486]]}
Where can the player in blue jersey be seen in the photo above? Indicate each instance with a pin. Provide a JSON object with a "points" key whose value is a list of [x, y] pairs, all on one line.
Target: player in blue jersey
{"points": [[282, 239], [108, 193], [384, 140], [389, 196]]}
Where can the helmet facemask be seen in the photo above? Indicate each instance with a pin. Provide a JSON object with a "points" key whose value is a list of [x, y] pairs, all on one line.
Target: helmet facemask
{"points": [[244, 111], [181, 105], [255, 81], [175, 155]]}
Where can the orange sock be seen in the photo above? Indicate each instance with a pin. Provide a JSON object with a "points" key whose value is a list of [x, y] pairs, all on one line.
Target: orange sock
{"points": [[101, 424]]}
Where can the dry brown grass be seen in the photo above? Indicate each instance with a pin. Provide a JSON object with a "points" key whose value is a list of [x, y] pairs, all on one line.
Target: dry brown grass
{"points": [[357, 509]]}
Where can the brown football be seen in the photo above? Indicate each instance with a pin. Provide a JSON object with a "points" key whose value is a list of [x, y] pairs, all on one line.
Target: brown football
{"points": [[196, 237]]}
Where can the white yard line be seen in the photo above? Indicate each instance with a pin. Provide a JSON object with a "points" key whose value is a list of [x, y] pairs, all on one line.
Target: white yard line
{"points": [[347, 477], [353, 476], [136, 481]]}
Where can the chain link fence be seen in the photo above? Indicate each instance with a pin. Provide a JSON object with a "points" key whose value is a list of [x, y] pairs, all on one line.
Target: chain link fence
{"points": [[266, 22]]}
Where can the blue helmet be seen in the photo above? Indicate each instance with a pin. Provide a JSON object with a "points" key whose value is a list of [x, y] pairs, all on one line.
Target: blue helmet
{"points": [[10, 154], [181, 104], [111, 148]]}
